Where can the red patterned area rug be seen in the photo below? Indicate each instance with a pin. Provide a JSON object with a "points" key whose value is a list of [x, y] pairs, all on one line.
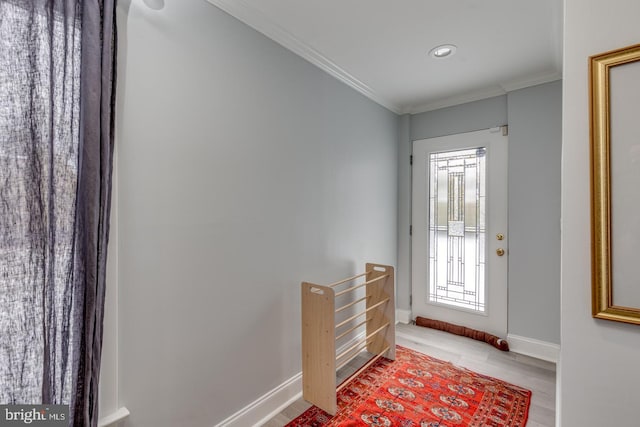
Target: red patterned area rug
{"points": [[417, 390]]}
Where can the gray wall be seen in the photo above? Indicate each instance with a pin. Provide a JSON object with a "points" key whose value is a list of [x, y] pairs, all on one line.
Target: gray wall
{"points": [[598, 375], [243, 170], [533, 116], [535, 148], [483, 114]]}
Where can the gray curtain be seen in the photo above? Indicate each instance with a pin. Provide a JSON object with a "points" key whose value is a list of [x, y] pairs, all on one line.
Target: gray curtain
{"points": [[57, 81]]}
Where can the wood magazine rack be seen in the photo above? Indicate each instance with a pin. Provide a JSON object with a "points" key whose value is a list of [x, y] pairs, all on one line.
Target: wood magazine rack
{"points": [[320, 331]]}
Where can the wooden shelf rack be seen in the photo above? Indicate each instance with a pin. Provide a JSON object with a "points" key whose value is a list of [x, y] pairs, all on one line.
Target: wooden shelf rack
{"points": [[320, 330]]}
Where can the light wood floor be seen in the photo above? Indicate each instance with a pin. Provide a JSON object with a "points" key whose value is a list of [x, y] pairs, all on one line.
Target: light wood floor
{"points": [[537, 375]]}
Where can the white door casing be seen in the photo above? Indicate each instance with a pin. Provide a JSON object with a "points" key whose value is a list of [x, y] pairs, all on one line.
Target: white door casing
{"points": [[493, 318]]}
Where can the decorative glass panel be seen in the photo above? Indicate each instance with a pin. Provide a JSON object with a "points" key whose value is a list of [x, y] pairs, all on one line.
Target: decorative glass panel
{"points": [[457, 200]]}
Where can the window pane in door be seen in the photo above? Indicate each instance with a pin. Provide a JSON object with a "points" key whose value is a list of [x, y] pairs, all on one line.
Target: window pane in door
{"points": [[457, 200]]}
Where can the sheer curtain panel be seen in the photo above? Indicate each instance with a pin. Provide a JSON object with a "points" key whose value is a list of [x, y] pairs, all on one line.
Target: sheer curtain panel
{"points": [[57, 62]]}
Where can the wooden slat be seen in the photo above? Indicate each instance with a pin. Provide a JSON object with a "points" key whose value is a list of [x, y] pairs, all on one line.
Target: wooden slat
{"points": [[344, 334], [351, 304], [355, 316], [374, 333], [348, 279], [350, 349], [344, 322], [359, 371], [353, 356], [363, 341], [378, 314], [318, 346], [353, 288]]}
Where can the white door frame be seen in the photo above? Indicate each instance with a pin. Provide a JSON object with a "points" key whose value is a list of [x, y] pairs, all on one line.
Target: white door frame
{"points": [[495, 318]]}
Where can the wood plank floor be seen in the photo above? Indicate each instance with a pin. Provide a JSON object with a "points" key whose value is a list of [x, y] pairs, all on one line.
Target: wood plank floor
{"points": [[537, 375]]}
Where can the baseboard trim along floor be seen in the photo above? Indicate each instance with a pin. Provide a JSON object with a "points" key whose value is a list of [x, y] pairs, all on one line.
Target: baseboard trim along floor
{"points": [[535, 348], [267, 406], [111, 419], [403, 316]]}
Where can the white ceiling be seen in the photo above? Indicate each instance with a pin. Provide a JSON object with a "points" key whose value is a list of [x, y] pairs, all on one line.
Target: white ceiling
{"points": [[380, 47]]}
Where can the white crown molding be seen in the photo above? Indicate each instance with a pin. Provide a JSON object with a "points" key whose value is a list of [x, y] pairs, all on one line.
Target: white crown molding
{"points": [[257, 20], [531, 81], [476, 95], [485, 93]]}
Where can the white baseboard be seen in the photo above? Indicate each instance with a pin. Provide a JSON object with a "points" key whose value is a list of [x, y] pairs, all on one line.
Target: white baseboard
{"points": [[267, 406], [114, 418], [270, 404], [403, 316], [534, 348]]}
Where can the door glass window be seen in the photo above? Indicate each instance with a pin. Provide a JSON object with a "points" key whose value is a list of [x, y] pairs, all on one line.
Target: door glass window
{"points": [[457, 201]]}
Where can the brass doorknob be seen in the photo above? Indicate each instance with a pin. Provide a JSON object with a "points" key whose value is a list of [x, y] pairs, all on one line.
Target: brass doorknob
{"points": [[500, 251], [499, 236]]}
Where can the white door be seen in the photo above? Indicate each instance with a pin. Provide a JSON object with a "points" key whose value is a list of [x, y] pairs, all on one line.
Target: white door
{"points": [[459, 225]]}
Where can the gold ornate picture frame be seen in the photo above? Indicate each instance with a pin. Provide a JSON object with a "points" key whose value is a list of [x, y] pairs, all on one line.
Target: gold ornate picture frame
{"points": [[614, 79]]}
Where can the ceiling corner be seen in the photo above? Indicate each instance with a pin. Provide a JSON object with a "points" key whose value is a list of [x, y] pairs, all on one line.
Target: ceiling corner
{"points": [[457, 100], [257, 20]]}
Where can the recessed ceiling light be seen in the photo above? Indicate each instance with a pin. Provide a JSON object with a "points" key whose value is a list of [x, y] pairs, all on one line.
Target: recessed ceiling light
{"points": [[442, 51]]}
